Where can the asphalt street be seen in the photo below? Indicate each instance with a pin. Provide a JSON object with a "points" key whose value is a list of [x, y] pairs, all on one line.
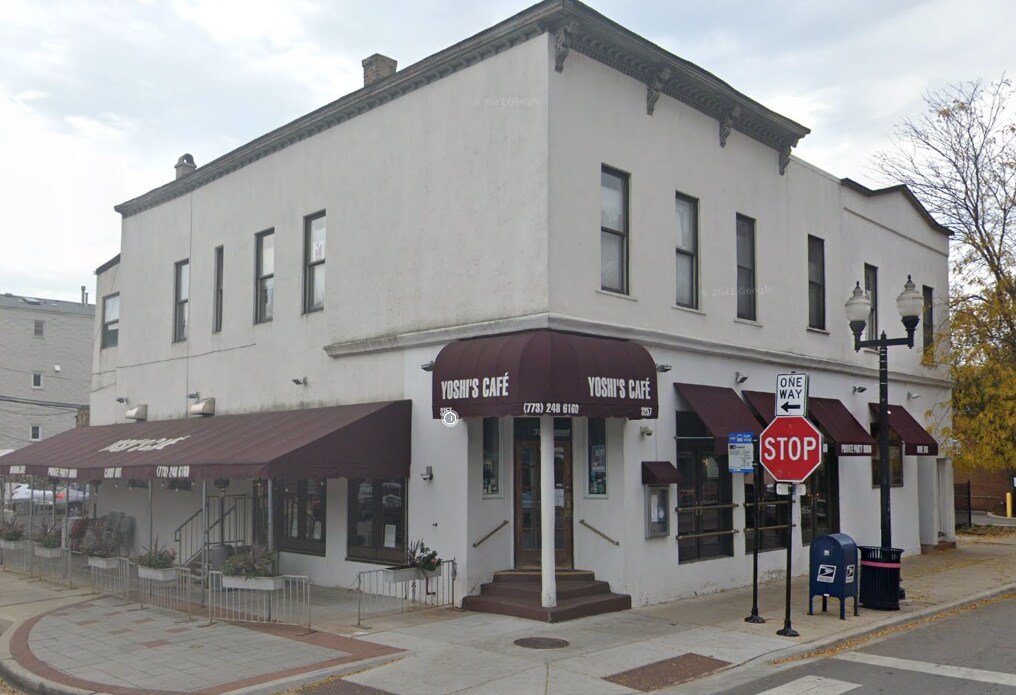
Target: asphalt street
{"points": [[966, 652]]}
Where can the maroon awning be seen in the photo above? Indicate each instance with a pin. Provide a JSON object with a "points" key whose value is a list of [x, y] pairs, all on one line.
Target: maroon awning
{"points": [[545, 373], [720, 410], [660, 473], [916, 440], [363, 441], [842, 428]]}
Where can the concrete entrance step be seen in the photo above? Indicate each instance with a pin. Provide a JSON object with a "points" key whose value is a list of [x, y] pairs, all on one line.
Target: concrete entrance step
{"points": [[518, 593]]}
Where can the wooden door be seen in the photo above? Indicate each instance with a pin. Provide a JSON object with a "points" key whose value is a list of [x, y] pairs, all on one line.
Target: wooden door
{"points": [[527, 504]]}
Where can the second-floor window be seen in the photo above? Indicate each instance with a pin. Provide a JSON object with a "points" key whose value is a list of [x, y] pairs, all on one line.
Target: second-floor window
{"points": [[816, 283], [314, 262], [746, 268], [111, 321], [35, 433], [613, 231], [928, 320], [40, 328], [871, 287], [36, 380], [687, 252], [264, 271], [217, 291], [181, 306]]}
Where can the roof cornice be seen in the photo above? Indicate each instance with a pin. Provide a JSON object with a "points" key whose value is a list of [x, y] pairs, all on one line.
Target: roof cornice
{"points": [[589, 33], [908, 194]]}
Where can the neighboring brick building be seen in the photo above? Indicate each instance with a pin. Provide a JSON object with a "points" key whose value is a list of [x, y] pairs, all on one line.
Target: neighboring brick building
{"points": [[45, 366], [987, 489]]}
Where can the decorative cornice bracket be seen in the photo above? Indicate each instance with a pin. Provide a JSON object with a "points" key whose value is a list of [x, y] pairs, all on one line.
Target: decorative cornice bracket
{"points": [[727, 124], [656, 84], [784, 158], [562, 43]]}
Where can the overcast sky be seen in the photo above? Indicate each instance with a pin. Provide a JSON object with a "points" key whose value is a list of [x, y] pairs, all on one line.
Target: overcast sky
{"points": [[98, 98]]}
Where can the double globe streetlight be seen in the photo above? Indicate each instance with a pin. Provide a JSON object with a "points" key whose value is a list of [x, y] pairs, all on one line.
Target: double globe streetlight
{"points": [[858, 309]]}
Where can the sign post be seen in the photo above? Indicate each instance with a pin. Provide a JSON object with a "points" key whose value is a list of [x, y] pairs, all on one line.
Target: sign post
{"points": [[790, 448], [757, 481]]}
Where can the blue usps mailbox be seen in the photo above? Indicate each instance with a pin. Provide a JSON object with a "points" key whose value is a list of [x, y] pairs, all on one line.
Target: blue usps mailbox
{"points": [[833, 571]]}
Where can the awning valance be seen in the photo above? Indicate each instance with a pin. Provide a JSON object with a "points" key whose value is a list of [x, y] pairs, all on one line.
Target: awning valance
{"points": [[660, 473], [916, 440], [363, 441], [842, 428], [545, 373], [720, 410]]}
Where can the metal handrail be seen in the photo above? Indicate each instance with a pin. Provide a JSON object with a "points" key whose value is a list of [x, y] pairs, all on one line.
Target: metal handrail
{"points": [[599, 533], [707, 507], [686, 536], [499, 527]]}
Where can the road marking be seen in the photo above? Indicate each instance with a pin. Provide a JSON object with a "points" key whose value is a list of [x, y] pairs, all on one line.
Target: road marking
{"points": [[969, 674], [812, 685]]}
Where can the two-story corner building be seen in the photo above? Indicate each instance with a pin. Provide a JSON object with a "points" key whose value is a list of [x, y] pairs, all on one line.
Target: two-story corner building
{"points": [[511, 298], [45, 368]]}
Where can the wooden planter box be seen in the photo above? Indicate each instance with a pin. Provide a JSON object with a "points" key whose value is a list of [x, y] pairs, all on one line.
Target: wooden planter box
{"points": [[410, 574], [163, 574], [103, 563], [48, 553], [255, 583], [15, 545]]}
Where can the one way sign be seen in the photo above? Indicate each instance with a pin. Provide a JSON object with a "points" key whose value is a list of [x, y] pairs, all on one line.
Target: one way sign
{"points": [[791, 394]]}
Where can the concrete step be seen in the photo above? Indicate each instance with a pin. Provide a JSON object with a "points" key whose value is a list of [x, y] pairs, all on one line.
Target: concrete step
{"points": [[565, 588], [519, 593], [566, 609]]}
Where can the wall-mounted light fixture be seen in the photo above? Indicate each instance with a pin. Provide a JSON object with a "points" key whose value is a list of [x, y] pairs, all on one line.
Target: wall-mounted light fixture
{"points": [[646, 431], [860, 389], [121, 399], [427, 366], [912, 396], [663, 368], [194, 395], [301, 381], [428, 473], [740, 378]]}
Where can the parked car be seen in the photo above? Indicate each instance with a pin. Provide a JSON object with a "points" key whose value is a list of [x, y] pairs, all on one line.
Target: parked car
{"points": [[70, 497]]}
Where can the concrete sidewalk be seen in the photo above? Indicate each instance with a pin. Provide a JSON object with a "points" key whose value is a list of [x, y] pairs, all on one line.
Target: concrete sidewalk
{"points": [[71, 642]]}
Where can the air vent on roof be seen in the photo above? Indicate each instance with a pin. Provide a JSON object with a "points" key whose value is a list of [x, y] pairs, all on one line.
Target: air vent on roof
{"points": [[31, 300]]}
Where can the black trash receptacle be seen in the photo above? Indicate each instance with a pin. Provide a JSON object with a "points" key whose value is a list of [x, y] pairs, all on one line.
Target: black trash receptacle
{"points": [[880, 577]]}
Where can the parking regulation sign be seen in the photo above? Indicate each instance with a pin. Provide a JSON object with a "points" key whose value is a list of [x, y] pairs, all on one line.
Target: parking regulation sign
{"points": [[740, 452]]}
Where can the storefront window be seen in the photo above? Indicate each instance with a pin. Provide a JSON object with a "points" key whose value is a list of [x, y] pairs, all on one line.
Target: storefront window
{"points": [[491, 457], [597, 480], [820, 505], [895, 460], [300, 515], [704, 510], [773, 513], [377, 520]]}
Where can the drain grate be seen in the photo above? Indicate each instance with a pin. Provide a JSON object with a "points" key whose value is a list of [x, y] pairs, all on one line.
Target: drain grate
{"points": [[541, 643]]}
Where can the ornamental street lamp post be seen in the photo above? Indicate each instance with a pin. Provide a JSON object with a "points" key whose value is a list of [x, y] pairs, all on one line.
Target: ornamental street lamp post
{"points": [[858, 307]]}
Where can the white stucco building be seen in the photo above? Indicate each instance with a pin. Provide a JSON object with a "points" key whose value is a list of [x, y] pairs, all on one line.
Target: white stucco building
{"points": [[510, 210]]}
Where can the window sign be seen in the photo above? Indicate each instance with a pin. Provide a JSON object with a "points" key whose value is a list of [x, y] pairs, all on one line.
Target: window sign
{"points": [[597, 483], [491, 457]]}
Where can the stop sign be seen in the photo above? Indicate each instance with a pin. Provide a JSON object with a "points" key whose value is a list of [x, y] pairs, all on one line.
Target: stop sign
{"points": [[790, 448]]}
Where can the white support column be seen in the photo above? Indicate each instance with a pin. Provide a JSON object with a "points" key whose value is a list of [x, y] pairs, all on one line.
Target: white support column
{"points": [[547, 512]]}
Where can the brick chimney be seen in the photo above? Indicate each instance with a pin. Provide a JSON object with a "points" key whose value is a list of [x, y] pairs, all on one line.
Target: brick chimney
{"points": [[377, 67], [185, 166]]}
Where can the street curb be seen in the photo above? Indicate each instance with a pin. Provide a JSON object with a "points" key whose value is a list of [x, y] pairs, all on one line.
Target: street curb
{"points": [[30, 682], [304, 679], [705, 687], [26, 680]]}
